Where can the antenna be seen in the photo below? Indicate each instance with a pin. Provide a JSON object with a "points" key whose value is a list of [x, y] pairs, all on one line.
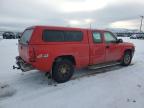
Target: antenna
{"points": [[90, 26]]}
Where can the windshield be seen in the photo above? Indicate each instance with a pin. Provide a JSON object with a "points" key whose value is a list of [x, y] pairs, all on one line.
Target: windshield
{"points": [[26, 36]]}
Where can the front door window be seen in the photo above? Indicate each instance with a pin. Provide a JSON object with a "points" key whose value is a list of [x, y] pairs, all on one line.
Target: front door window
{"points": [[109, 38]]}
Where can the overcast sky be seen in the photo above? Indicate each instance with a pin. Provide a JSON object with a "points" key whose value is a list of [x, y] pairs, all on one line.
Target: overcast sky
{"points": [[19, 14]]}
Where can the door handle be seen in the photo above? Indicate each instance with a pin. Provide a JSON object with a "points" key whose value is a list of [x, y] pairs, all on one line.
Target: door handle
{"points": [[107, 46]]}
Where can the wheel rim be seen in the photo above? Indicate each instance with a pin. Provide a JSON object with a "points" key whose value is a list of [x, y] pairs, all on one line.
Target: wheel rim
{"points": [[64, 70], [127, 59]]}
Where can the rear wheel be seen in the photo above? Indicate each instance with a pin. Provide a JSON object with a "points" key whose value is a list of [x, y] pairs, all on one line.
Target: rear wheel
{"points": [[126, 58], [62, 71]]}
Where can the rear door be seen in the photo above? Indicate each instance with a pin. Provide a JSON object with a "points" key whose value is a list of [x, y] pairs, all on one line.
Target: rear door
{"points": [[113, 50], [97, 48], [24, 44]]}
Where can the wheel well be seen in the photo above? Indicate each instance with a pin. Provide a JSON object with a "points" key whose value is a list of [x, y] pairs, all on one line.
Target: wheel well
{"points": [[128, 50], [68, 57]]}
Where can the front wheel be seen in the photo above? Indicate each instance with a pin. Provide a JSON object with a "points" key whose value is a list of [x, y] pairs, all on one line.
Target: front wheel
{"points": [[62, 71], [126, 58]]}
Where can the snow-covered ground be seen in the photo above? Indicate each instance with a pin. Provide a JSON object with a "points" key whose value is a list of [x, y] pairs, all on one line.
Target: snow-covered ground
{"points": [[118, 88], [1, 37]]}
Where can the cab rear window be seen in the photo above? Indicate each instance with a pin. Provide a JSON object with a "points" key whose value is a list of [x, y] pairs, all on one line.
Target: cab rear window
{"points": [[26, 36], [62, 36]]}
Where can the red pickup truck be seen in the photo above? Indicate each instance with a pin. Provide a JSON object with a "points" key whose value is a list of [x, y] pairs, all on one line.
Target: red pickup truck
{"points": [[59, 50]]}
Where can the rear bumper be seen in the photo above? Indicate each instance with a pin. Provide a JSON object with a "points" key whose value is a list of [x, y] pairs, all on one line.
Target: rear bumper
{"points": [[21, 64]]}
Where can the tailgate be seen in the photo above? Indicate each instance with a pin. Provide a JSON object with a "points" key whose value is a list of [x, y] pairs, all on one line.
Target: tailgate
{"points": [[23, 52], [24, 44]]}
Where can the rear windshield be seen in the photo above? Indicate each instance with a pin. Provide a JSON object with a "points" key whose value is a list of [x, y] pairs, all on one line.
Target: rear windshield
{"points": [[26, 36]]}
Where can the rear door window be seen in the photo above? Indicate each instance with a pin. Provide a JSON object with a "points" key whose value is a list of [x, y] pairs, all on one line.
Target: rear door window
{"points": [[26, 36], [97, 38]]}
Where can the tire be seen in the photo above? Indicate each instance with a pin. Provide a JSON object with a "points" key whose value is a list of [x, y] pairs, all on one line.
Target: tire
{"points": [[62, 71], [126, 58]]}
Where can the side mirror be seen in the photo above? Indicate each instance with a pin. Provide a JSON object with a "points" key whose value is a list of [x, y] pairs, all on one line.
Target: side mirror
{"points": [[119, 41]]}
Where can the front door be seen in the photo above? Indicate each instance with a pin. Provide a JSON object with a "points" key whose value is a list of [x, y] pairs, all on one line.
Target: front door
{"points": [[112, 47]]}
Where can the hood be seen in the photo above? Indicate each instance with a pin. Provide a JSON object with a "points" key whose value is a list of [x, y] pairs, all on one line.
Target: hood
{"points": [[128, 44]]}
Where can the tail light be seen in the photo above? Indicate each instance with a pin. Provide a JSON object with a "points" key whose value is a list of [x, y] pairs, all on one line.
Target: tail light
{"points": [[32, 55]]}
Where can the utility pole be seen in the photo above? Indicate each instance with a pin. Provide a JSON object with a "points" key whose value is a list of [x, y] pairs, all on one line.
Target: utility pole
{"points": [[141, 23]]}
